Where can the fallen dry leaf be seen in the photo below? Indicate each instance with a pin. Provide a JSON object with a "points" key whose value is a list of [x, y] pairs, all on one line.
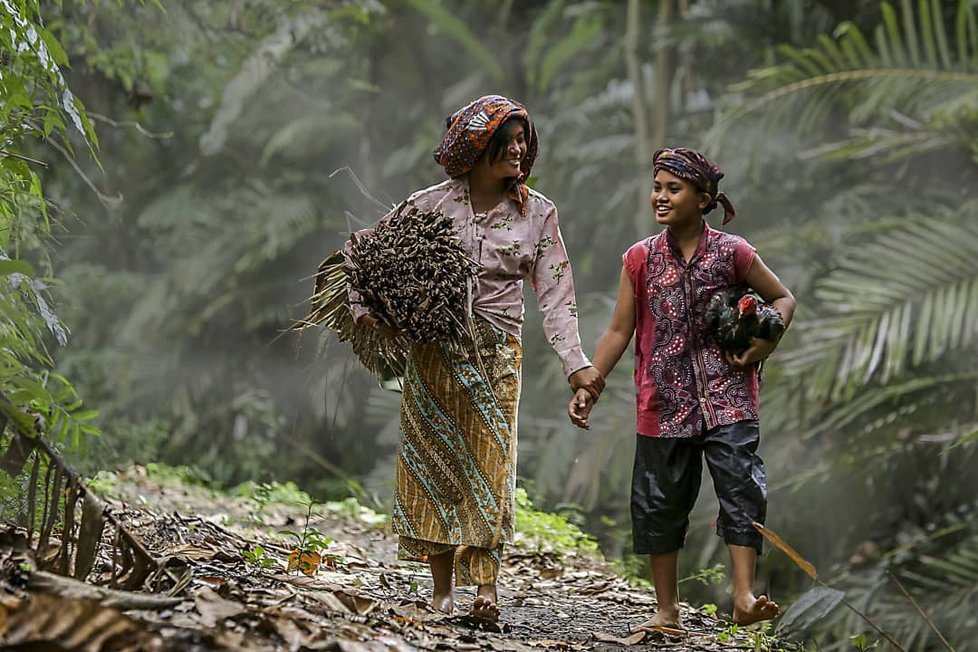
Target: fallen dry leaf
{"points": [[50, 621], [633, 639], [356, 603], [214, 609]]}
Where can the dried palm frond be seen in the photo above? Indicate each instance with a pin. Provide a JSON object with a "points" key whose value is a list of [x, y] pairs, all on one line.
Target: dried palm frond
{"points": [[411, 275], [330, 308]]}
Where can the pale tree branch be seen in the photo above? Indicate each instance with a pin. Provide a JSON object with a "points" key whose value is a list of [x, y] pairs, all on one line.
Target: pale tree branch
{"points": [[104, 199], [130, 123]]}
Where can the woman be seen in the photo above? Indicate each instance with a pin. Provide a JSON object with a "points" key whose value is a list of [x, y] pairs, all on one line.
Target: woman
{"points": [[456, 470]]}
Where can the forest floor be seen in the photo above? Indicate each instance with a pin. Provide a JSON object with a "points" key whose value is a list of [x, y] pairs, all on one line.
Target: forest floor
{"points": [[359, 599]]}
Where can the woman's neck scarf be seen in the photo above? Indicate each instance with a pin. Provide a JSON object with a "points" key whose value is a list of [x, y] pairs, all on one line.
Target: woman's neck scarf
{"points": [[703, 173], [469, 131]]}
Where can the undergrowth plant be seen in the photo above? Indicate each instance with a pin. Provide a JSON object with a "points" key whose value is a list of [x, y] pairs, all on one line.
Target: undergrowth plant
{"points": [[548, 532], [38, 114]]}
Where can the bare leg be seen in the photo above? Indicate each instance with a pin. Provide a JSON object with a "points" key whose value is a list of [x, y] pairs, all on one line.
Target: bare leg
{"points": [[442, 574], [665, 575], [747, 608], [486, 605]]}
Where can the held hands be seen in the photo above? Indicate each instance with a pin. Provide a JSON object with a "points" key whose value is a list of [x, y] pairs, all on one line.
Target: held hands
{"points": [[587, 383], [579, 409], [587, 378], [759, 349]]}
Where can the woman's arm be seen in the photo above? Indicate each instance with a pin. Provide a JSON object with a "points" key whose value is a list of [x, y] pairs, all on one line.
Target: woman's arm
{"points": [[553, 283], [611, 346], [762, 280]]}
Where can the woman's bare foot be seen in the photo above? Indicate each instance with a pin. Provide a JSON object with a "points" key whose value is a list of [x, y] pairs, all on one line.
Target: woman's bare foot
{"points": [[484, 606], [749, 609], [665, 616], [444, 602]]}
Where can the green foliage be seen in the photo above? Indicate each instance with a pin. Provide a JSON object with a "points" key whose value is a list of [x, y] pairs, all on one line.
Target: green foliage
{"points": [[309, 546], [544, 531], [879, 326], [177, 475], [715, 574], [351, 507], [258, 559], [105, 484], [287, 493], [634, 569], [862, 643], [903, 95], [36, 106]]}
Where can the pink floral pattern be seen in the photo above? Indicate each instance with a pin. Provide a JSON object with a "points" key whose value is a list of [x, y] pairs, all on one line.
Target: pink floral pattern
{"points": [[530, 249]]}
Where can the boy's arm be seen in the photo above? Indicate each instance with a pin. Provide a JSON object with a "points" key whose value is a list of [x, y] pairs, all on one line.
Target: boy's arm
{"points": [[762, 280], [611, 346]]}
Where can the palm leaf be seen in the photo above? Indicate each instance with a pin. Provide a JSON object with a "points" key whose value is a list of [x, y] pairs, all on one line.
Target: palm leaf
{"points": [[906, 298], [944, 583], [909, 67], [880, 408], [458, 30], [255, 71]]}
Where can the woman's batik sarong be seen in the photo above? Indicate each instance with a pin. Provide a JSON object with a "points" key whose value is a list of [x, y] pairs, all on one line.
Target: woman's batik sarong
{"points": [[456, 471]]}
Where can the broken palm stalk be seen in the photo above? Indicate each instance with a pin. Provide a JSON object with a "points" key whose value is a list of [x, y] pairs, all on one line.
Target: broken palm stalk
{"points": [[412, 275], [60, 490], [810, 570]]}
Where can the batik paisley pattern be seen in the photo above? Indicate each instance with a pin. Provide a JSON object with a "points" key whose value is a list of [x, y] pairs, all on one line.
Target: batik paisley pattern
{"points": [[456, 470], [695, 384]]}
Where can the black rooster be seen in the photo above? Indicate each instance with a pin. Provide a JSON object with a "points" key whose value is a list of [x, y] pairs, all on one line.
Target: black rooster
{"points": [[735, 315]]}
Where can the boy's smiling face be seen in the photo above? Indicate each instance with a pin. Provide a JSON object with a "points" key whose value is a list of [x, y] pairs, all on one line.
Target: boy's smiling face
{"points": [[675, 201]]}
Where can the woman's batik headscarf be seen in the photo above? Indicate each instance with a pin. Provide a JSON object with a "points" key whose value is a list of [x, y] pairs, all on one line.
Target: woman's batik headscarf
{"points": [[703, 173], [469, 131]]}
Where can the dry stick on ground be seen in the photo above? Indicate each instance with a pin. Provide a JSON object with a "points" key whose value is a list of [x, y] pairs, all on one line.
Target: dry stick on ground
{"points": [[809, 569], [75, 589], [921, 611]]}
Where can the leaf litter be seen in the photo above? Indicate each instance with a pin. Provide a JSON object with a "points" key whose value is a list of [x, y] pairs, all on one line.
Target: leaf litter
{"points": [[211, 598]]}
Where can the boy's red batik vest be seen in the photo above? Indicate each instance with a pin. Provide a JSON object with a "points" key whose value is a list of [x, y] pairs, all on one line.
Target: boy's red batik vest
{"points": [[683, 383]]}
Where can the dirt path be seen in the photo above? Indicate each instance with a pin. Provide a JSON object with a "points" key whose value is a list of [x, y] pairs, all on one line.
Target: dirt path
{"points": [[362, 598]]}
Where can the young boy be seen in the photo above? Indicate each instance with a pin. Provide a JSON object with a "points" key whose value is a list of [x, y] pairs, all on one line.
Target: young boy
{"points": [[692, 399]]}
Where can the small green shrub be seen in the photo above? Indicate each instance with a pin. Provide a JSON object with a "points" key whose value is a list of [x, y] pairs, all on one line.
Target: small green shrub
{"points": [[257, 558], [544, 531], [352, 508], [176, 475]]}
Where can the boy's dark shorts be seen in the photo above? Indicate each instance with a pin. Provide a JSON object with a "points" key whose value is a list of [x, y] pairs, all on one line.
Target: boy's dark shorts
{"points": [[666, 481]]}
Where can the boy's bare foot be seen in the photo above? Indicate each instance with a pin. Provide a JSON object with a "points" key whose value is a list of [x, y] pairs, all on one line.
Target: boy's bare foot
{"points": [[665, 616], [484, 606], [444, 603], [749, 609]]}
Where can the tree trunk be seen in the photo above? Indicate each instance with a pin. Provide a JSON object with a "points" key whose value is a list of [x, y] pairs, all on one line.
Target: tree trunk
{"points": [[640, 111]]}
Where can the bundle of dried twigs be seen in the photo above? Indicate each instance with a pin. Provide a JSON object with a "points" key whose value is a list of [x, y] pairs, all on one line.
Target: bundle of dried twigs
{"points": [[411, 274]]}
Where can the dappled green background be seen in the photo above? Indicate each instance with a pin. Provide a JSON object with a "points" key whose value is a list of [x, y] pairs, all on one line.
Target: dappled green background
{"points": [[239, 142]]}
